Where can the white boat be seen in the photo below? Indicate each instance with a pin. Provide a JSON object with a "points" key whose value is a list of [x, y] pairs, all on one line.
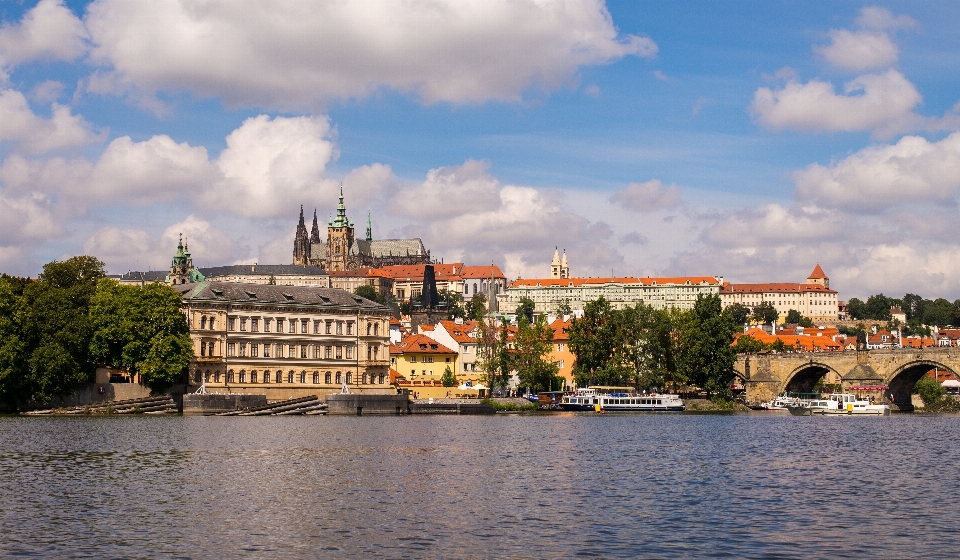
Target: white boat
{"points": [[592, 399], [781, 403], [839, 404]]}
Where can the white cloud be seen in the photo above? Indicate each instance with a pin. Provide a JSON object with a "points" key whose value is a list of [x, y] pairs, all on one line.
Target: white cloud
{"points": [[49, 31], [875, 17], [293, 54], [25, 219], [881, 102], [859, 50], [451, 192], [914, 170], [648, 196], [32, 134]]}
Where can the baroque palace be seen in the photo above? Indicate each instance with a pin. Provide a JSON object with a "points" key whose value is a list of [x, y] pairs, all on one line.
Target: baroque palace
{"points": [[343, 251]]}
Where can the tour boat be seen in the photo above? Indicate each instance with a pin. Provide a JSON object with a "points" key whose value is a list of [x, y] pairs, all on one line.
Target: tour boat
{"points": [[591, 399], [839, 404]]}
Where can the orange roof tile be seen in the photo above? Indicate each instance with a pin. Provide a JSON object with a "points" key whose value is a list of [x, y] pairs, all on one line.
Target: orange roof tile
{"points": [[773, 287], [481, 272], [420, 344], [460, 333], [563, 282], [817, 274], [443, 272]]}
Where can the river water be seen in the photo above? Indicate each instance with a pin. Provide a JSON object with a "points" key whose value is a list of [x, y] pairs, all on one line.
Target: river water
{"points": [[538, 486]]}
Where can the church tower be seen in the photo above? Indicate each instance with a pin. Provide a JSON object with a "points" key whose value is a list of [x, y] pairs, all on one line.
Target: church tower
{"points": [[339, 238], [301, 243], [315, 232], [818, 276], [181, 267], [555, 264], [564, 267]]}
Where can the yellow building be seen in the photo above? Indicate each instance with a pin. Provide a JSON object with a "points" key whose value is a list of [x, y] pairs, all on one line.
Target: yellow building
{"points": [[421, 361], [560, 354]]}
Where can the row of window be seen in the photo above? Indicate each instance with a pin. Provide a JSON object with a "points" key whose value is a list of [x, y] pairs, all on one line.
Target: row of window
{"points": [[288, 325], [291, 377], [303, 351]]}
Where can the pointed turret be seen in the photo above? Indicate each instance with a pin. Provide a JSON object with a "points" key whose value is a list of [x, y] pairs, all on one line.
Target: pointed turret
{"points": [[555, 264], [564, 267], [369, 228], [301, 243], [315, 232], [818, 277]]}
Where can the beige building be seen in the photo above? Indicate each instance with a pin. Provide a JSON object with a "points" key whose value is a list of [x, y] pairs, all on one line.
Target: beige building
{"points": [[660, 293], [350, 280], [813, 299], [285, 341]]}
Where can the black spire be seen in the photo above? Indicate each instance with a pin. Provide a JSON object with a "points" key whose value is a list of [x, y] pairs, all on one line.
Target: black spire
{"points": [[315, 232]]}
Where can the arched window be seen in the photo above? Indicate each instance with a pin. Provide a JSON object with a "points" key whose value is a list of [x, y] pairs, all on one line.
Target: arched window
{"points": [[369, 328], [210, 349], [376, 329], [316, 378], [348, 378], [338, 378], [196, 376], [216, 377], [290, 376], [243, 376], [266, 377], [381, 379], [253, 376], [206, 376], [326, 377], [303, 377], [210, 324], [279, 377], [203, 322], [230, 376], [364, 379]]}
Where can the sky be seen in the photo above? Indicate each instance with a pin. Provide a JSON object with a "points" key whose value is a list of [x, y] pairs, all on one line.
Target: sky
{"points": [[748, 140]]}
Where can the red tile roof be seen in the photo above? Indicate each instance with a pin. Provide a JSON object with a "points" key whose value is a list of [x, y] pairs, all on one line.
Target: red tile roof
{"points": [[481, 272], [773, 287], [817, 274], [443, 272], [420, 344], [460, 333], [565, 282]]}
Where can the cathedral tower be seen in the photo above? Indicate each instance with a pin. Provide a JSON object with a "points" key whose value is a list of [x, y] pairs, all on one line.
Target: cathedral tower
{"points": [[315, 232], [301, 243], [339, 238]]}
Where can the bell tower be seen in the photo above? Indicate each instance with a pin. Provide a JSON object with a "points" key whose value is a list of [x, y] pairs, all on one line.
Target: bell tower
{"points": [[339, 238]]}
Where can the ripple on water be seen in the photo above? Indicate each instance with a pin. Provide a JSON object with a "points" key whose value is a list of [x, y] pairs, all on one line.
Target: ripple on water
{"points": [[562, 485]]}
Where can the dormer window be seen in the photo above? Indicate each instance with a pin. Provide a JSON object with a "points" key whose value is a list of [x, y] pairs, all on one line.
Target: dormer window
{"points": [[288, 296]]}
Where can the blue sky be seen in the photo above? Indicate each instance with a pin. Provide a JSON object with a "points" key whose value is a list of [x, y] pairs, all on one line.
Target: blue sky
{"points": [[750, 140]]}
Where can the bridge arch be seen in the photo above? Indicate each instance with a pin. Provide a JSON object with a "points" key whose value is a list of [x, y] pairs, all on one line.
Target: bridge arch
{"points": [[903, 379], [806, 376]]}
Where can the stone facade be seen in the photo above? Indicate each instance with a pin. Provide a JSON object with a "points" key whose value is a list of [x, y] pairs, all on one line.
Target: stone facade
{"points": [[285, 341], [343, 251]]}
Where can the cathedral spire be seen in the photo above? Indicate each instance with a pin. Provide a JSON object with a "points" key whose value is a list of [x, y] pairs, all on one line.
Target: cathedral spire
{"points": [[369, 228], [341, 219], [315, 232]]}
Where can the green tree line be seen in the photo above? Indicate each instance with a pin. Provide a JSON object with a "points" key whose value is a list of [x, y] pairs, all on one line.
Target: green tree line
{"points": [[920, 312], [56, 330], [649, 348]]}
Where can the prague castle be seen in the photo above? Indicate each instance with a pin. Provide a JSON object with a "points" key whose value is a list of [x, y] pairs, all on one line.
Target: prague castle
{"points": [[342, 251]]}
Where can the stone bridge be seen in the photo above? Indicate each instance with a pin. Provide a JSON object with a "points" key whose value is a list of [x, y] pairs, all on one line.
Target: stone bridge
{"points": [[767, 375]]}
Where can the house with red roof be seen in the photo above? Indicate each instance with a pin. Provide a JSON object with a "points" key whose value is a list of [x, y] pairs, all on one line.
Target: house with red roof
{"points": [[813, 299]]}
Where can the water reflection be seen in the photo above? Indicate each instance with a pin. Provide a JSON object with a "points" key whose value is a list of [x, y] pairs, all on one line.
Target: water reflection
{"points": [[525, 486]]}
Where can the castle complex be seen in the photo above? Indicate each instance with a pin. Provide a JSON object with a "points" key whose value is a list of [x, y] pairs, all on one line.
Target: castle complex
{"points": [[343, 251]]}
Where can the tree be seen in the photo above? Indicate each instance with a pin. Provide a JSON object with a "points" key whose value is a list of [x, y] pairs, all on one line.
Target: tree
{"points": [[141, 329], [525, 309], [937, 312], [563, 308], [765, 313], [878, 307], [448, 378], [493, 351], [590, 342], [794, 317], [746, 344], [367, 291], [912, 306], [476, 307], [929, 390], [857, 309], [708, 355], [738, 313], [532, 343], [454, 301]]}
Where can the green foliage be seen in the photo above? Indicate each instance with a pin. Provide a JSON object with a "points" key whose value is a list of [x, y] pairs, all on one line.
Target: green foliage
{"points": [[45, 329], [708, 357], [532, 344], [852, 331], [929, 390], [765, 313], [141, 329], [508, 406], [493, 351], [746, 344], [793, 316], [563, 308], [367, 291], [476, 307], [448, 378], [739, 313], [525, 309], [857, 309], [878, 307]]}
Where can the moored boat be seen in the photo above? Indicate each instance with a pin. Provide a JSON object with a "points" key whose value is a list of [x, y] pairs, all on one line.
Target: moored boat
{"points": [[839, 404], [593, 399]]}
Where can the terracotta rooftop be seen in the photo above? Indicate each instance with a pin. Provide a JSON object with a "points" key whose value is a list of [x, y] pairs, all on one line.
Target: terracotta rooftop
{"points": [[420, 344], [773, 287], [666, 281], [817, 274]]}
